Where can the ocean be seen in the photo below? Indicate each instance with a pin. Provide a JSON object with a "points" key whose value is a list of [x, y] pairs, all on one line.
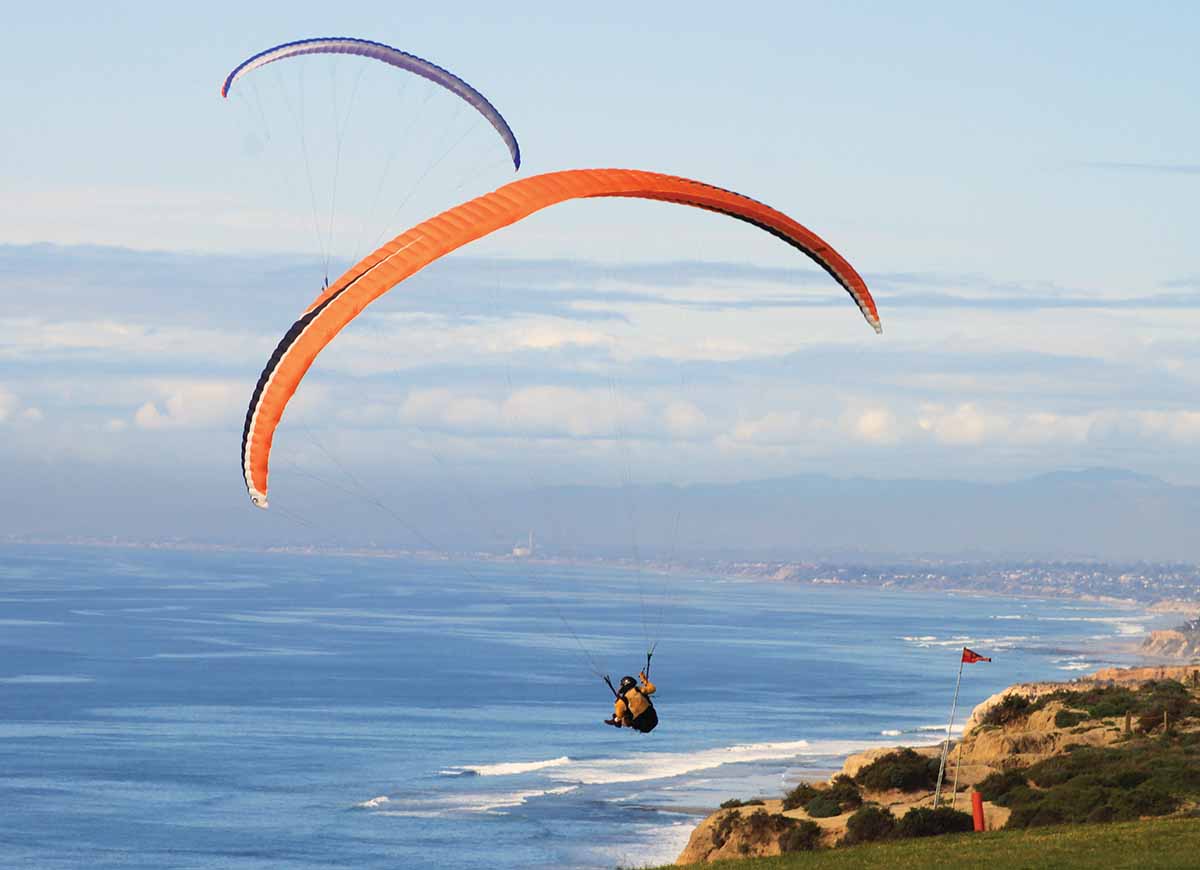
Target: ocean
{"points": [[167, 708]]}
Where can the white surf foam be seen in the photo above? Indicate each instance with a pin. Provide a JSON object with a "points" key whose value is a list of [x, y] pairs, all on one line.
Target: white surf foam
{"points": [[1074, 663], [936, 729], [1004, 642], [461, 804], [664, 765], [508, 768], [659, 844], [1125, 625]]}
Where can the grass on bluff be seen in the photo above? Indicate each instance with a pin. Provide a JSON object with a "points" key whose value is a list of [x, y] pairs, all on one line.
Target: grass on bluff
{"points": [[1159, 843]]}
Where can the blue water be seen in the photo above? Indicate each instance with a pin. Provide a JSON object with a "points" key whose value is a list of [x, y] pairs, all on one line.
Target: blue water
{"points": [[233, 710]]}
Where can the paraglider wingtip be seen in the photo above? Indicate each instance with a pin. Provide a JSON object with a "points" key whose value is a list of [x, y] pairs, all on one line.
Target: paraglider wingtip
{"points": [[878, 327], [259, 499]]}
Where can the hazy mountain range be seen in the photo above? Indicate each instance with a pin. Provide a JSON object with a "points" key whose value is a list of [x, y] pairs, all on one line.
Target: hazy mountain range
{"points": [[1097, 513]]}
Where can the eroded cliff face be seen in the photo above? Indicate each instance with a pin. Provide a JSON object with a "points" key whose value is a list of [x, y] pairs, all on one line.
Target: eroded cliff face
{"points": [[1101, 678], [742, 832], [1107, 676], [732, 833], [1021, 744], [982, 750], [1172, 644]]}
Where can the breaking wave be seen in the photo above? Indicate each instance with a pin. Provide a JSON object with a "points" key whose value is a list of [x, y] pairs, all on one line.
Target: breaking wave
{"points": [[664, 765], [510, 768], [992, 643], [452, 805], [939, 729]]}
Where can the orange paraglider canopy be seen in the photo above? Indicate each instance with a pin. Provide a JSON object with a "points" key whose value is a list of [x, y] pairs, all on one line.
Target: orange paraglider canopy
{"points": [[411, 251]]}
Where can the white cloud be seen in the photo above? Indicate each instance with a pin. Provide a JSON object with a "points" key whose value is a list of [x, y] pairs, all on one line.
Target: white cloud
{"points": [[683, 418], [192, 404], [781, 427], [963, 425], [11, 410], [1047, 428], [876, 426], [129, 215], [28, 338], [580, 413], [544, 410], [8, 403], [1180, 428], [447, 408]]}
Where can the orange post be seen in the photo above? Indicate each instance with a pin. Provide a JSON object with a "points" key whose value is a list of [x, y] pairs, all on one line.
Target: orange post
{"points": [[977, 810]]}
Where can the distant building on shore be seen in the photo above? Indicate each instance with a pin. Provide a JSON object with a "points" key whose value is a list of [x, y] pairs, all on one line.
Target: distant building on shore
{"points": [[523, 551]]}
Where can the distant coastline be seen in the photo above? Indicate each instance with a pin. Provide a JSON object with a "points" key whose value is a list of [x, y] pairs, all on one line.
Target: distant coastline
{"points": [[1163, 589]]}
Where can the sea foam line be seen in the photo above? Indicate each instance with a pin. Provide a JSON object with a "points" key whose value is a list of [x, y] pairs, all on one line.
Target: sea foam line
{"points": [[472, 803], [642, 767], [506, 768], [664, 765]]}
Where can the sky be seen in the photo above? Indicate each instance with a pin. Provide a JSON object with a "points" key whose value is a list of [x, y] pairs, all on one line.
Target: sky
{"points": [[1017, 186]]}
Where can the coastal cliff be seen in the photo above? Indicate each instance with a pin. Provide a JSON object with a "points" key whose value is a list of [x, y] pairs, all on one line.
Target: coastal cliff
{"points": [[1132, 713], [1174, 643]]}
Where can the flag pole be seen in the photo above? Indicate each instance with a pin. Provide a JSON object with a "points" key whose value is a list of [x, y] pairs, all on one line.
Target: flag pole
{"points": [[937, 793], [957, 762]]}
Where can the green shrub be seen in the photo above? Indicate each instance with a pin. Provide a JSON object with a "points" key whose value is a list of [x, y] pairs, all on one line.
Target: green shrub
{"points": [[1113, 701], [996, 785], [1148, 722], [1011, 708], [1145, 800], [845, 792], [760, 823], [1016, 796], [1034, 815], [1127, 777], [1057, 770], [1069, 718], [904, 770], [1102, 813], [734, 803], [757, 828], [822, 807], [803, 837], [1170, 696], [723, 828], [928, 822], [1140, 778], [869, 824], [799, 796], [1177, 772]]}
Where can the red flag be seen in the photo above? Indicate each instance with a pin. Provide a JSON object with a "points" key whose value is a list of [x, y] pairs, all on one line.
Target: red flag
{"points": [[971, 657]]}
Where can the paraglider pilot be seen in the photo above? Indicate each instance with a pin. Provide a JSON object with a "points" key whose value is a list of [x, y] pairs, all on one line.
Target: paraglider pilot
{"points": [[632, 707]]}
